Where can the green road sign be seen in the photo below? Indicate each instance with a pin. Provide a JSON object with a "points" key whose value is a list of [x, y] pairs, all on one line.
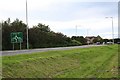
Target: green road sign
{"points": [[16, 37]]}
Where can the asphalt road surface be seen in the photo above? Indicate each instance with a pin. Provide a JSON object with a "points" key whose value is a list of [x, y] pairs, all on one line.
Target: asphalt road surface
{"points": [[15, 52]]}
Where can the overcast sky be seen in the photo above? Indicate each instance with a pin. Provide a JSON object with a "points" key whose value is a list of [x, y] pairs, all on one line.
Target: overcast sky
{"points": [[64, 15]]}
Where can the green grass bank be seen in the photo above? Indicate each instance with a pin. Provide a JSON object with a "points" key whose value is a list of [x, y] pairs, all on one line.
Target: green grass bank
{"points": [[93, 62]]}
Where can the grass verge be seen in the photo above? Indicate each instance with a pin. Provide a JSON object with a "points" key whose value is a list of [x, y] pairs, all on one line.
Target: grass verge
{"points": [[94, 62]]}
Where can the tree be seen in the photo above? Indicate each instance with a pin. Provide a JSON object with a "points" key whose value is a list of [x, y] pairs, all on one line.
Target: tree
{"points": [[8, 28], [43, 28], [98, 39], [116, 40], [39, 36], [81, 39]]}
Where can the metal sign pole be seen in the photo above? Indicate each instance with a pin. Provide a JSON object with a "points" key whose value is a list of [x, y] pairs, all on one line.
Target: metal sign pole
{"points": [[20, 45], [13, 46]]}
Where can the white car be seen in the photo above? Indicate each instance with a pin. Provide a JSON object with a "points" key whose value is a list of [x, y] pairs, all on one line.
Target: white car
{"points": [[109, 42]]}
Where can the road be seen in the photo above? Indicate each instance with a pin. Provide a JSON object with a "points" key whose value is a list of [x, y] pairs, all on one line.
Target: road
{"points": [[15, 52]]}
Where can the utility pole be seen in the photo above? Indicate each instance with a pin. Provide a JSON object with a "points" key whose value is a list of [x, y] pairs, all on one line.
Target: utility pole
{"points": [[27, 25]]}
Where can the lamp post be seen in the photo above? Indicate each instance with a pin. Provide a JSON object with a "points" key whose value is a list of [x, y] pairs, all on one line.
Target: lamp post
{"points": [[88, 41], [112, 29], [76, 28], [27, 25], [88, 31]]}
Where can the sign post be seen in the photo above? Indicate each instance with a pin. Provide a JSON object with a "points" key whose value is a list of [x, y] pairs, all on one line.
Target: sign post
{"points": [[20, 45], [13, 46], [16, 37]]}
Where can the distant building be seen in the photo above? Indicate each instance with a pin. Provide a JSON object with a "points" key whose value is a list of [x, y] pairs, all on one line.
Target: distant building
{"points": [[93, 39], [90, 39]]}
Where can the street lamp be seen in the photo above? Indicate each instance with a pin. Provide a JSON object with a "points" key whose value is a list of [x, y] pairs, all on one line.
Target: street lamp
{"points": [[76, 28], [27, 25], [88, 29], [112, 29]]}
